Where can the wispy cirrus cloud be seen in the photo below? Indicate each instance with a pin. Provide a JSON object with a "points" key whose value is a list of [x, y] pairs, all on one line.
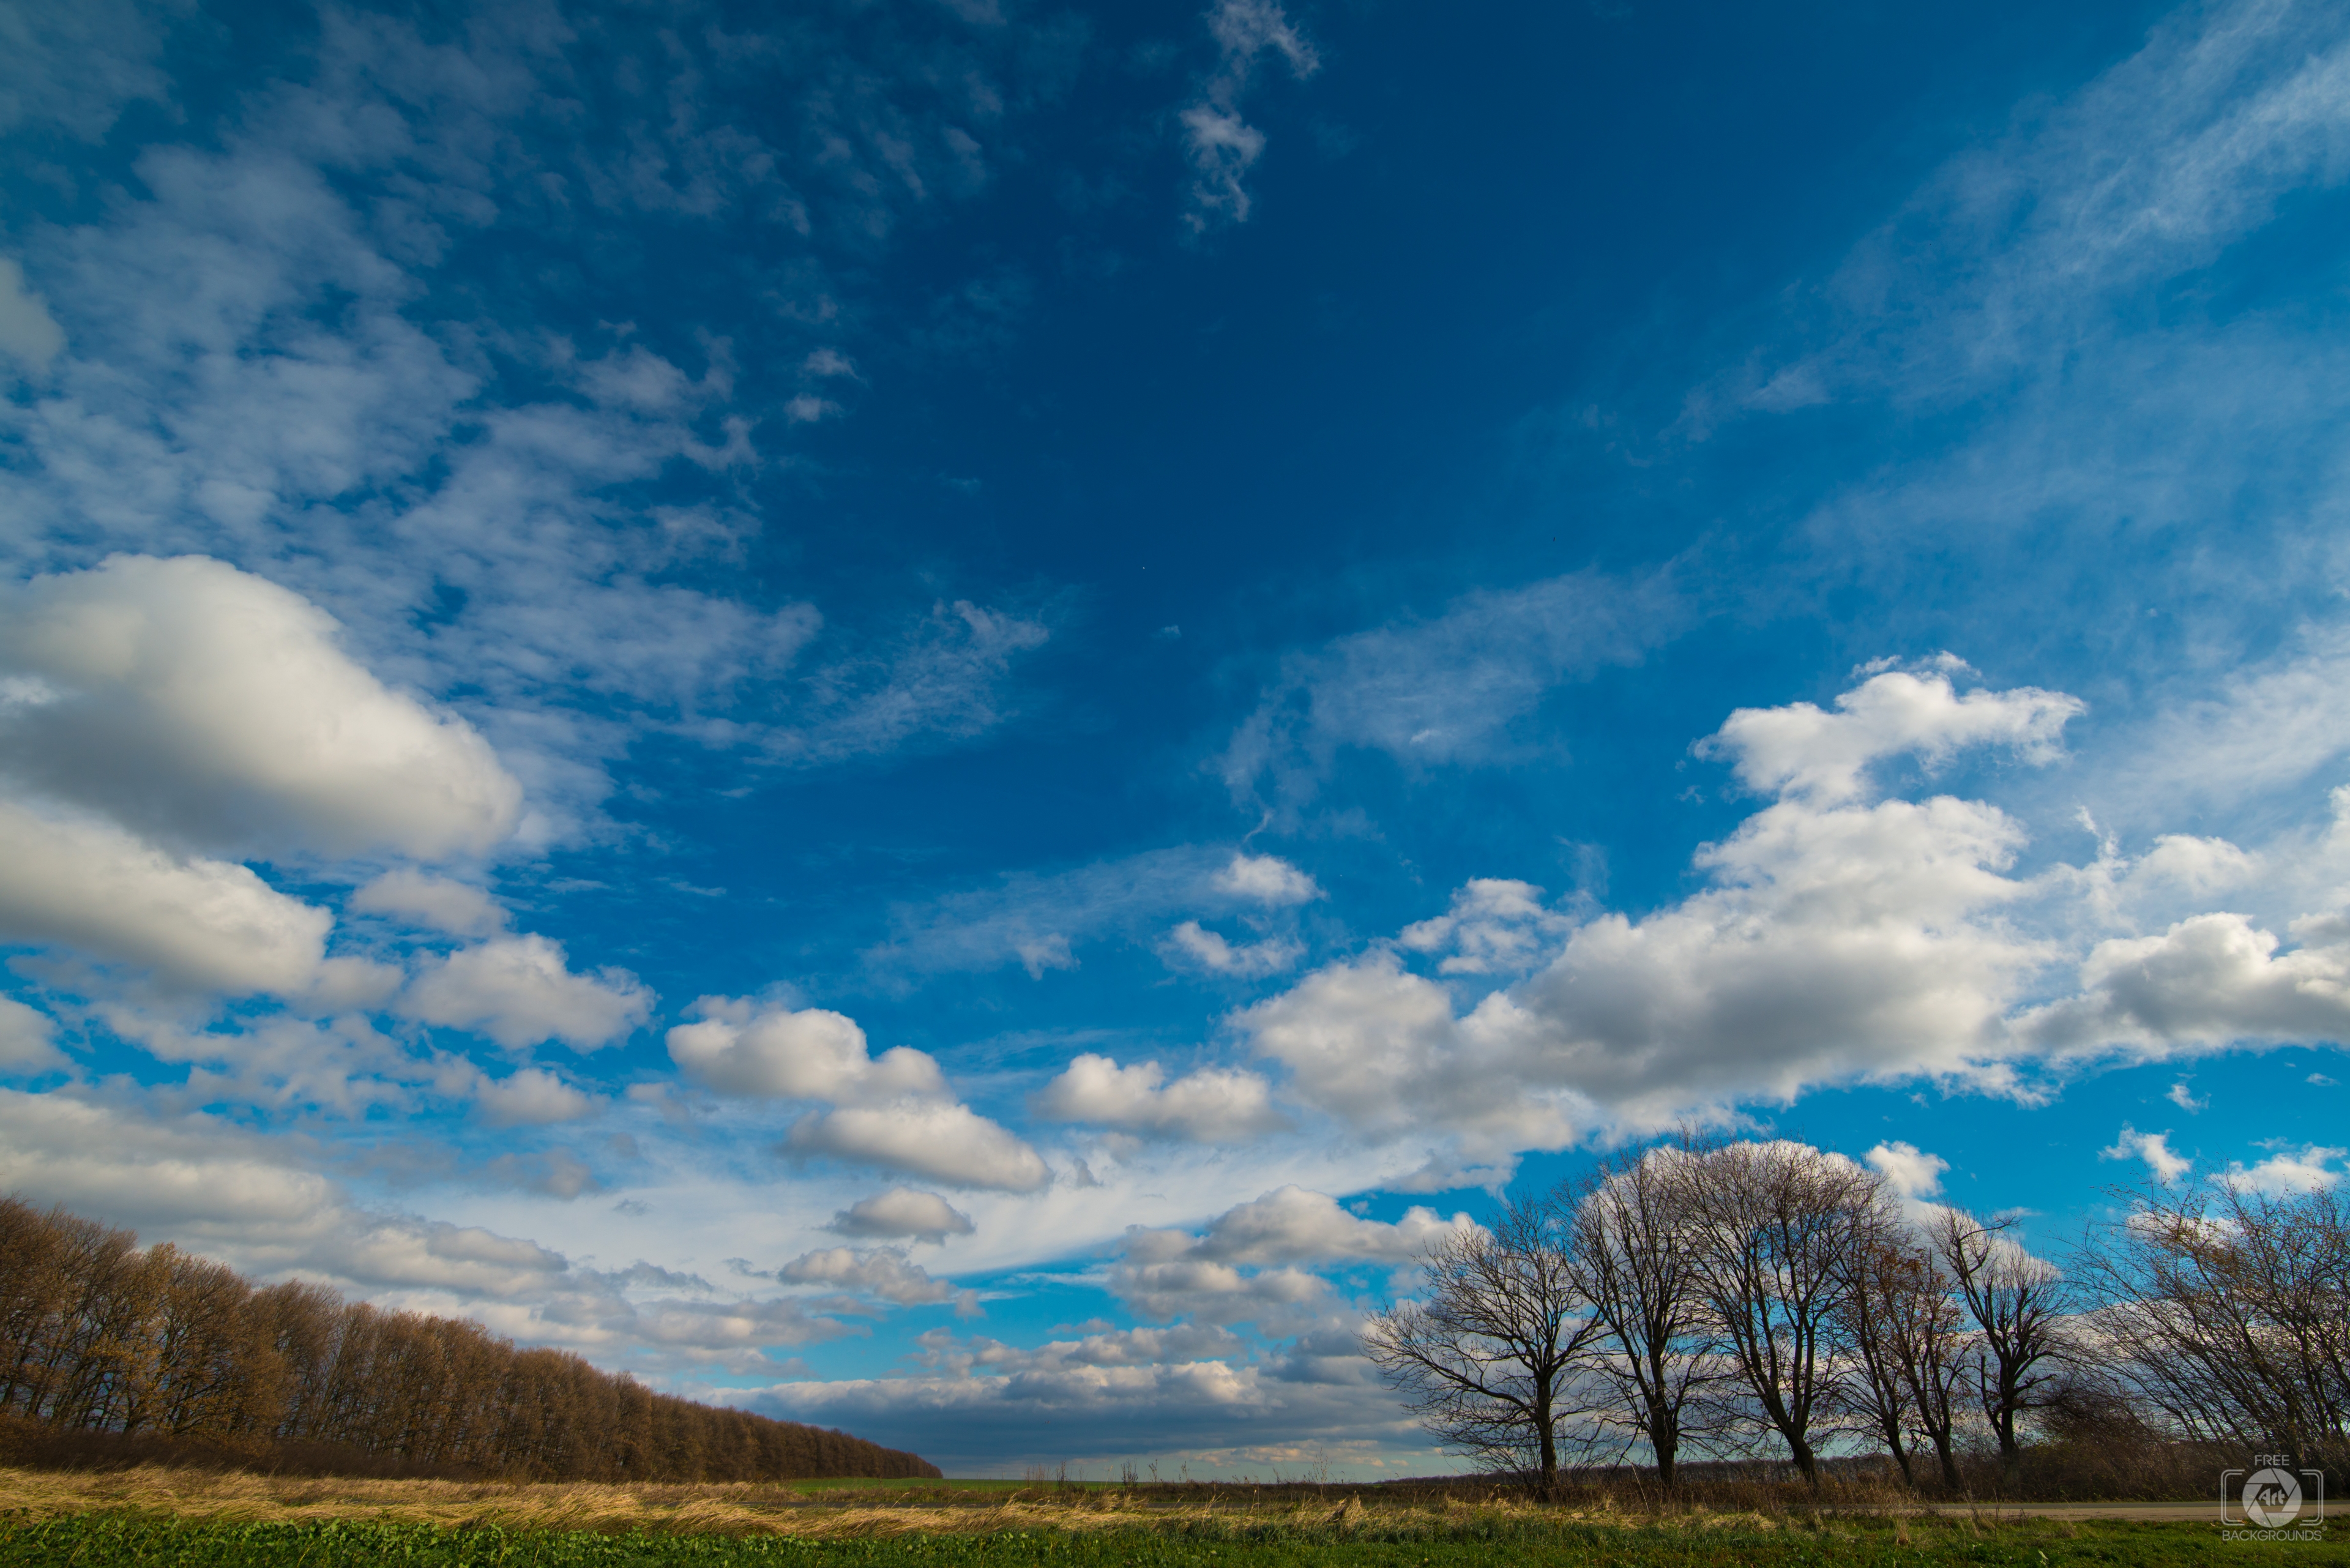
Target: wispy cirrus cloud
{"points": [[1442, 692], [1222, 146]]}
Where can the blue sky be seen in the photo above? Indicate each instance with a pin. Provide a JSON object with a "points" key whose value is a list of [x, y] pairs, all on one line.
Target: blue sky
{"points": [[944, 716]]}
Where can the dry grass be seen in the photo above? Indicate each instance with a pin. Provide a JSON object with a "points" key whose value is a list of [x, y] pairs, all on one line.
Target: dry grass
{"points": [[748, 1508], [807, 1510]]}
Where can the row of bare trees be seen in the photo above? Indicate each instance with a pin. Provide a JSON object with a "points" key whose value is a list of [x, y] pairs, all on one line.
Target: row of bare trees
{"points": [[100, 1335], [1729, 1299]]}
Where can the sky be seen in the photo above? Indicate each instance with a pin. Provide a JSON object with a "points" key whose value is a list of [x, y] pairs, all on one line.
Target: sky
{"points": [[944, 716]]}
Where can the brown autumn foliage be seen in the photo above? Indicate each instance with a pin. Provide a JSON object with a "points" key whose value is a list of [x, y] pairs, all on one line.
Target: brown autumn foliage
{"points": [[112, 1354]]}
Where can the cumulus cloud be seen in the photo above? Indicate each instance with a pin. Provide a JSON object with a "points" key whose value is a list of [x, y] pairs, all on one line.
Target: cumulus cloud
{"points": [[436, 903], [740, 1048], [1914, 1173], [894, 1110], [1840, 939], [2154, 1149], [1213, 1104], [519, 991], [1802, 750], [1162, 1277], [2309, 1168], [1193, 945], [532, 1096], [936, 1138], [902, 1211], [75, 880], [2207, 981], [27, 1040], [880, 1271], [1381, 1050], [205, 705], [1494, 926], [1245, 1267], [1294, 1225]]}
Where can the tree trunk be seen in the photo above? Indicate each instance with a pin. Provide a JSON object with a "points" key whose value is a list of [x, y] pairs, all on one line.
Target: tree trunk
{"points": [[1545, 1424]]}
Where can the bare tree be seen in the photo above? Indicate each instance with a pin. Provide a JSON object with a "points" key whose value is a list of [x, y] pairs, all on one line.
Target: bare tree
{"points": [[1906, 1335], [2229, 1313], [1631, 1261], [1486, 1356], [1774, 1229], [2017, 1302]]}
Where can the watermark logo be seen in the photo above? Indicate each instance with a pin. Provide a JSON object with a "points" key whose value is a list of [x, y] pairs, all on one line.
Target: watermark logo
{"points": [[2273, 1503]]}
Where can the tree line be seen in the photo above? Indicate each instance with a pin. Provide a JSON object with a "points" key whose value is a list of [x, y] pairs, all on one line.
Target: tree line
{"points": [[1730, 1299], [97, 1335]]}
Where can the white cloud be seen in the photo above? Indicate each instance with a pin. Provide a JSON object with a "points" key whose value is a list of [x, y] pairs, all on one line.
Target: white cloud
{"points": [[1222, 145], [2184, 1099], [945, 682], [1037, 920], [1494, 927], [1381, 1050], [28, 333], [1266, 879], [1293, 1225], [80, 882], [2208, 981], [518, 992], [1840, 941], [936, 1138], [1444, 692], [219, 1189], [27, 1040], [1914, 1173], [1245, 1268], [877, 1270], [1162, 1277], [1207, 950], [1213, 1104], [740, 1048], [1801, 750], [1111, 1394], [902, 1211], [531, 1097], [2306, 1169], [200, 703], [2154, 1149], [436, 903], [1039, 954], [894, 1110], [2195, 865]]}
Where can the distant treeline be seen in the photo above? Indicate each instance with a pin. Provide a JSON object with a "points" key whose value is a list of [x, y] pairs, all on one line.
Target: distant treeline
{"points": [[100, 1336]]}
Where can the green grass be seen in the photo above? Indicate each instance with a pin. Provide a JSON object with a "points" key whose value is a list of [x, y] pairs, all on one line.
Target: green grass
{"points": [[118, 1541]]}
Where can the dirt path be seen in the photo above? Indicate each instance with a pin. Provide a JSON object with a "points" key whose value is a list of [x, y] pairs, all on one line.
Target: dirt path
{"points": [[2208, 1512]]}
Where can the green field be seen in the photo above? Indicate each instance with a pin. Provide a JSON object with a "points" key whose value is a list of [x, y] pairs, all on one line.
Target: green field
{"points": [[102, 1540]]}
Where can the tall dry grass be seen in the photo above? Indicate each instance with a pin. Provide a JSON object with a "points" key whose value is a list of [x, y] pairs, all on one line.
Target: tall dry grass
{"points": [[808, 1512]]}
